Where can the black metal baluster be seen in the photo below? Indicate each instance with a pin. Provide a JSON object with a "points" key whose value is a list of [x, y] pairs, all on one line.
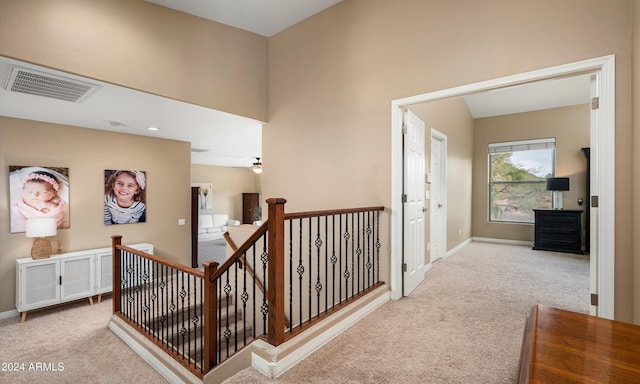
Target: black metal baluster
{"points": [[202, 324], [265, 305], [245, 297], [377, 259], [346, 254], [310, 269], [291, 275], [300, 270], [235, 301], [358, 253], [219, 298], [353, 254], [340, 260], [318, 283], [369, 249], [333, 261], [326, 263], [255, 302]]}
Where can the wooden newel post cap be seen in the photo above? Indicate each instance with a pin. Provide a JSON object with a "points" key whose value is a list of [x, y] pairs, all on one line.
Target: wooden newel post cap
{"points": [[276, 200]]}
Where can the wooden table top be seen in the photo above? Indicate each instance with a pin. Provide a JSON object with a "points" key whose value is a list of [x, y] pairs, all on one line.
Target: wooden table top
{"points": [[561, 346]]}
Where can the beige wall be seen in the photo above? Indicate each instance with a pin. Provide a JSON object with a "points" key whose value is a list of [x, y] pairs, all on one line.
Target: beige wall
{"points": [[140, 45], [570, 127], [332, 78], [228, 185], [452, 118], [87, 153]]}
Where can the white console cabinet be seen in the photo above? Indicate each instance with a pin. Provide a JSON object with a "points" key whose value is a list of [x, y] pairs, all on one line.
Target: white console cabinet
{"points": [[66, 277]]}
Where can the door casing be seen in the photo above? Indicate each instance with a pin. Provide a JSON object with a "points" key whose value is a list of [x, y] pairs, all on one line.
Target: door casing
{"points": [[602, 168]]}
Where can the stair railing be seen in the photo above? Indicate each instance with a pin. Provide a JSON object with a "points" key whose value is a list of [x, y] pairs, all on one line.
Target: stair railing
{"points": [[292, 272]]}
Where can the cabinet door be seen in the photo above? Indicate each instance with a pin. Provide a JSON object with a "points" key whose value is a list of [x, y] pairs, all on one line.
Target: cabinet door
{"points": [[78, 277], [38, 284], [104, 272]]}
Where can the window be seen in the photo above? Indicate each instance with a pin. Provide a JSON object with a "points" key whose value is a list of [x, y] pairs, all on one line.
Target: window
{"points": [[517, 173]]}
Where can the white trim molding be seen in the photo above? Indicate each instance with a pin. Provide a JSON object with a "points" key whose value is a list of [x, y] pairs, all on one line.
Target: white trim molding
{"points": [[602, 160]]}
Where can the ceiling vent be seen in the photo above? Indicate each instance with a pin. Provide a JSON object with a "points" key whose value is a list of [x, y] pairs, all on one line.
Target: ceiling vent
{"points": [[36, 83]]}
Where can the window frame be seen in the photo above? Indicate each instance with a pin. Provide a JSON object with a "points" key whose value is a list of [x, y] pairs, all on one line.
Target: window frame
{"points": [[515, 146]]}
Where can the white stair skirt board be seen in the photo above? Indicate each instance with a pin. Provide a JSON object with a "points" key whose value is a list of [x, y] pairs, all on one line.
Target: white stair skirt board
{"points": [[266, 358], [166, 366], [503, 241]]}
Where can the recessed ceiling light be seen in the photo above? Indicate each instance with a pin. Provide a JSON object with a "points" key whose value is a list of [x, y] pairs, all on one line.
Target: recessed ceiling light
{"points": [[153, 129]]}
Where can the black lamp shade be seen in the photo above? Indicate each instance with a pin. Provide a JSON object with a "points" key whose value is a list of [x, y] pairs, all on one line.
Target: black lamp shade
{"points": [[557, 184]]}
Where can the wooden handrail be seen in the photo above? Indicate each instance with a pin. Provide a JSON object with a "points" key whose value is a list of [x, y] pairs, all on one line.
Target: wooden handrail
{"points": [[303, 215], [159, 260]]}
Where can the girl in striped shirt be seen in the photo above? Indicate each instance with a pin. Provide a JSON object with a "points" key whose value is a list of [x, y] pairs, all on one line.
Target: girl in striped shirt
{"points": [[124, 198]]}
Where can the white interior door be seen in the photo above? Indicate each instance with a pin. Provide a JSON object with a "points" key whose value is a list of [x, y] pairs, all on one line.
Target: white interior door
{"points": [[438, 195], [414, 207]]}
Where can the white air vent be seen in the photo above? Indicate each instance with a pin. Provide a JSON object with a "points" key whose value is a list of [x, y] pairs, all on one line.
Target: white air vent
{"points": [[32, 82]]}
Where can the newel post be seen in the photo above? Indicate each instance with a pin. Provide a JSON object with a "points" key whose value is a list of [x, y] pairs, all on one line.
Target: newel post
{"points": [[210, 318], [115, 262], [275, 273]]}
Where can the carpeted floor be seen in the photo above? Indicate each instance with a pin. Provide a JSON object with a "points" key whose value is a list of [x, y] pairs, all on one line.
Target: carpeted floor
{"points": [[464, 324], [213, 250]]}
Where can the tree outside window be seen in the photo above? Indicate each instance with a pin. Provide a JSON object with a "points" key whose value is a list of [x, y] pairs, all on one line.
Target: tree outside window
{"points": [[517, 177]]}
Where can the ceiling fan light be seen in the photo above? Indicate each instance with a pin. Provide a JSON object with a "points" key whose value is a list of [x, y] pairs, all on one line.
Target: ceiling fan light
{"points": [[257, 166]]}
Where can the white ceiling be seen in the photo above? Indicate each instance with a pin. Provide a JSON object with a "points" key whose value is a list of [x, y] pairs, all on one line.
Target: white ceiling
{"points": [[229, 140], [264, 17]]}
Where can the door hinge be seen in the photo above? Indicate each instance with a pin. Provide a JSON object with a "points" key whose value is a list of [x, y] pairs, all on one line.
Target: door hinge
{"points": [[594, 299], [595, 103], [404, 129], [404, 197], [594, 201], [404, 267]]}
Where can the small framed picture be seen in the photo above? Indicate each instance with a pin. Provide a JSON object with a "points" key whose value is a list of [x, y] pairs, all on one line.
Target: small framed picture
{"points": [[205, 195]]}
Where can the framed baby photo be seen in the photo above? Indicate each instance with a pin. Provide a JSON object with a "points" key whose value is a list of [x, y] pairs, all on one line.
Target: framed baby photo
{"points": [[125, 194], [38, 192]]}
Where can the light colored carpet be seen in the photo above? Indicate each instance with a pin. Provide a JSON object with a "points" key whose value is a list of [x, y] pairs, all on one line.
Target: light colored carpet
{"points": [[75, 336], [213, 250], [464, 324]]}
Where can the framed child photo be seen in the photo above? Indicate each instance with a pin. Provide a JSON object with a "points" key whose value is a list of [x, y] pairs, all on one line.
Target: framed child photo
{"points": [[125, 196]]}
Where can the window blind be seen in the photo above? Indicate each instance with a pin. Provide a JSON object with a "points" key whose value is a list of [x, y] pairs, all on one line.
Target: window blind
{"points": [[524, 145]]}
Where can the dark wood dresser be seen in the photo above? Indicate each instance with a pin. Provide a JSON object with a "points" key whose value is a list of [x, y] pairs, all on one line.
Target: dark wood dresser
{"points": [[561, 346], [558, 230]]}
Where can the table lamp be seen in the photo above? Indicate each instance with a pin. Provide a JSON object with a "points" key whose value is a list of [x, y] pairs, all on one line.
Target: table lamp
{"points": [[41, 228], [557, 185]]}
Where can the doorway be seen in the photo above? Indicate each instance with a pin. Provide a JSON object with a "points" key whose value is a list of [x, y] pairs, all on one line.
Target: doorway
{"points": [[438, 237], [602, 175]]}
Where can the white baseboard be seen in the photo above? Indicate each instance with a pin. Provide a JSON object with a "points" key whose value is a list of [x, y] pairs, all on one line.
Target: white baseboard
{"points": [[269, 365], [457, 247], [9, 314], [503, 241]]}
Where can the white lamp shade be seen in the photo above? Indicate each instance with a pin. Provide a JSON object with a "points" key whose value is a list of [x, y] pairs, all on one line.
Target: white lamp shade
{"points": [[205, 221], [41, 227]]}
